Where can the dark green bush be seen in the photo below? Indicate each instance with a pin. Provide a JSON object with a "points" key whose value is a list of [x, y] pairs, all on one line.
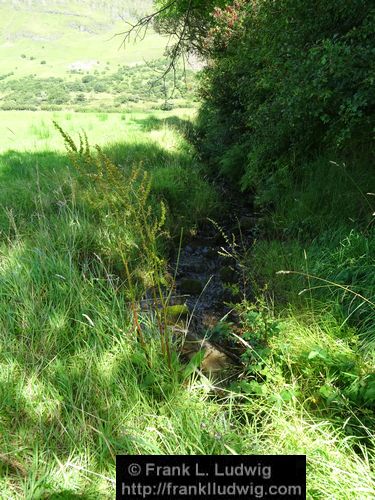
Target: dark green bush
{"points": [[287, 80], [88, 78], [80, 98], [100, 87]]}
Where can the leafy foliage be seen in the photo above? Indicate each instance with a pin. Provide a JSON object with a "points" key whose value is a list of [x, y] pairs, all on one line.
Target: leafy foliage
{"points": [[287, 80]]}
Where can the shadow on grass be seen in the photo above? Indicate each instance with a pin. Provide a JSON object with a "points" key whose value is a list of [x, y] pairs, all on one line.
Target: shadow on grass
{"points": [[71, 373], [177, 179], [68, 495], [184, 126]]}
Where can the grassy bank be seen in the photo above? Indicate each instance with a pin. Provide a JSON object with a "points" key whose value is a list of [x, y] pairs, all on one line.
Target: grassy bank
{"points": [[75, 386], [312, 311]]}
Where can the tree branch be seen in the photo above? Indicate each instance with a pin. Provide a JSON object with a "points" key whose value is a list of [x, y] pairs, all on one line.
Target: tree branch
{"points": [[175, 52], [139, 29]]}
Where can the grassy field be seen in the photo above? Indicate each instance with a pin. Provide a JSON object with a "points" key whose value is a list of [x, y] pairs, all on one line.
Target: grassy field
{"points": [[67, 56], [76, 387], [34, 131]]}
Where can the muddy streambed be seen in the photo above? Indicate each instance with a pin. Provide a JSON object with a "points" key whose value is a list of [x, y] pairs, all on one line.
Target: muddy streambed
{"points": [[209, 282]]}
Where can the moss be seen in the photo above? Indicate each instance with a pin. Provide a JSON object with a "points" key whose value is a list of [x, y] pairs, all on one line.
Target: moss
{"points": [[174, 313]]}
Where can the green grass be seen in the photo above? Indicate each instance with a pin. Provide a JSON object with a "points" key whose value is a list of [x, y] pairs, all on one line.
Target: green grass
{"points": [[51, 32], [76, 379], [76, 387], [312, 313], [33, 131]]}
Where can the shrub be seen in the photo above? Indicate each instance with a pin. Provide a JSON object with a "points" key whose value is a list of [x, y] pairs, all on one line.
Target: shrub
{"points": [[100, 87], [88, 78], [286, 80], [80, 97]]}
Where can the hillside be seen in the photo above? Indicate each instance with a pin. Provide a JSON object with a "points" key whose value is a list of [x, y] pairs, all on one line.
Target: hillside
{"points": [[58, 55], [69, 35]]}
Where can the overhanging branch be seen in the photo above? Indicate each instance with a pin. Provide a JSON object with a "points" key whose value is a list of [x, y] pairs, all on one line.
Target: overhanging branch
{"points": [[179, 32]]}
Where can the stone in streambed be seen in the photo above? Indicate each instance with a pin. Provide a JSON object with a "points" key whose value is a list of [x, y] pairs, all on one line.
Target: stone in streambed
{"points": [[194, 265], [214, 360], [200, 242], [198, 267], [191, 286]]}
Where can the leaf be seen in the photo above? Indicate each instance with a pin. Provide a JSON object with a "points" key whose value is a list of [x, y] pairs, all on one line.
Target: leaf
{"points": [[287, 395], [369, 391], [148, 380], [91, 323], [315, 353], [253, 387], [193, 364], [139, 358], [327, 392]]}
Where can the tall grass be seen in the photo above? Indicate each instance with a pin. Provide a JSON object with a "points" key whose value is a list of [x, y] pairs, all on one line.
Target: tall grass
{"points": [[76, 386], [312, 276]]}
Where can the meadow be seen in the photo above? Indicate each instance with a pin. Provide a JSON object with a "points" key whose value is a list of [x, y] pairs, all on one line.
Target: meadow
{"points": [[34, 131], [72, 56], [46, 39], [77, 387]]}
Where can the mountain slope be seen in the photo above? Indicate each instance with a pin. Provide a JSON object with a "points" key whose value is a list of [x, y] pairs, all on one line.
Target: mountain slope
{"points": [[51, 38]]}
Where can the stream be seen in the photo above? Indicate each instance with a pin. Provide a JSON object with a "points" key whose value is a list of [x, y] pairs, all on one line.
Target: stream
{"points": [[208, 281]]}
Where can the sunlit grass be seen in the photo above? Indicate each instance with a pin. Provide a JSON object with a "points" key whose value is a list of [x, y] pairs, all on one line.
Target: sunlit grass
{"points": [[76, 388], [33, 131]]}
